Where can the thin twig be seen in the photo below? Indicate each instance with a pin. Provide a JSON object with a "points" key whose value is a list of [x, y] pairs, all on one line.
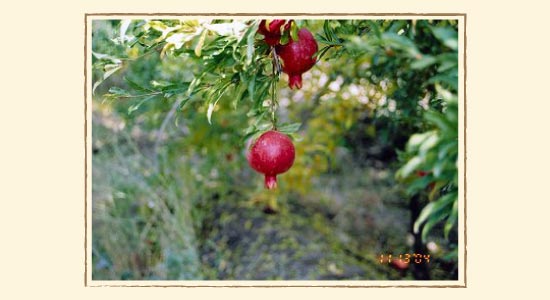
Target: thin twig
{"points": [[275, 80]]}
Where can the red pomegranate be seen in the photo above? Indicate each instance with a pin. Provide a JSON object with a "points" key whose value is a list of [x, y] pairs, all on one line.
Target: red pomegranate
{"points": [[297, 57], [271, 154], [272, 32], [422, 173], [399, 264]]}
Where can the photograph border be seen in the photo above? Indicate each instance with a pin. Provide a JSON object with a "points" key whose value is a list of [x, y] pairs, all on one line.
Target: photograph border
{"points": [[462, 93]]}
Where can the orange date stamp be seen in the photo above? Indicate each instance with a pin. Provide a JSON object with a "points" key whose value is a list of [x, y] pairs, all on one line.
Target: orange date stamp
{"points": [[403, 260]]}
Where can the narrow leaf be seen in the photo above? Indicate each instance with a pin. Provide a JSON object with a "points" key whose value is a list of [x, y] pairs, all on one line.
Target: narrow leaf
{"points": [[209, 112], [294, 31], [250, 48], [200, 44], [433, 208], [453, 217], [289, 128], [423, 62]]}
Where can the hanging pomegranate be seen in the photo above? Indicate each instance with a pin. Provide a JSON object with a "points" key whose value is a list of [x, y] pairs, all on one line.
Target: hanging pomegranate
{"points": [[271, 154], [297, 57], [273, 30]]}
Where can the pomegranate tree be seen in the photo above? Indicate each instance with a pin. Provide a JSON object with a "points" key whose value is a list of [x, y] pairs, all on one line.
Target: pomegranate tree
{"points": [[298, 57], [271, 154]]}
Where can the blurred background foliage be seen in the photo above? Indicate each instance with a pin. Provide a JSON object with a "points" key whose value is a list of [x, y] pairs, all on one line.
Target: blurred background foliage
{"points": [[375, 127]]}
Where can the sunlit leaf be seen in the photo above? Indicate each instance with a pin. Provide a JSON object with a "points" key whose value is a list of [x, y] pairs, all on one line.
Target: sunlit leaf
{"points": [[250, 48], [198, 48], [409, 167], [235, 28], [124, 24], [211, 107]]}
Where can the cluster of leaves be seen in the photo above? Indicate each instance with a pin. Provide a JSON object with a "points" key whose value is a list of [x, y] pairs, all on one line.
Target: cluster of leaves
{"points": [[430, 167], [430, 160], [415, 60], [234, 64]]}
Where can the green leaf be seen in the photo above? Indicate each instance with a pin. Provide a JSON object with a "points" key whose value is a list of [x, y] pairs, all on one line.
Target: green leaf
{"points": [[418, 184], [449, 78], [200, 44], [453, 217], [400, 42], [285, 38], [211, 107], [432, 208], [251, 86], [376, 28], [118, 91], [439, 120], [428, 144], [250, 48], [135, 107], [411, 165], [289, 128], [447, 62], [136, 86], [124, 24], [417, 139], [432, 221], [423, 62], [298, 138], [322, 39], [173, 89], [294, 31], [239, 92], [109, 70], [196, 81], [448, 36], [327, 31]]}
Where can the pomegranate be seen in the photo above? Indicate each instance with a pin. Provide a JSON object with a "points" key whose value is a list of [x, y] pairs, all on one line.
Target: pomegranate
{"points": [[399, 264], [297, 57], [272, 32], [271, 154], [422, 173]]}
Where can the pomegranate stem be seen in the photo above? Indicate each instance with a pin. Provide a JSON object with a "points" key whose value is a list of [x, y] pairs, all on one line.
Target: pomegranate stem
{"points": [[275, 80], [271, 181]]}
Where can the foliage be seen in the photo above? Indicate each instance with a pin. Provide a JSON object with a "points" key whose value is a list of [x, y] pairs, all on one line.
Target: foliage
{"points": [[431, 165]]}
